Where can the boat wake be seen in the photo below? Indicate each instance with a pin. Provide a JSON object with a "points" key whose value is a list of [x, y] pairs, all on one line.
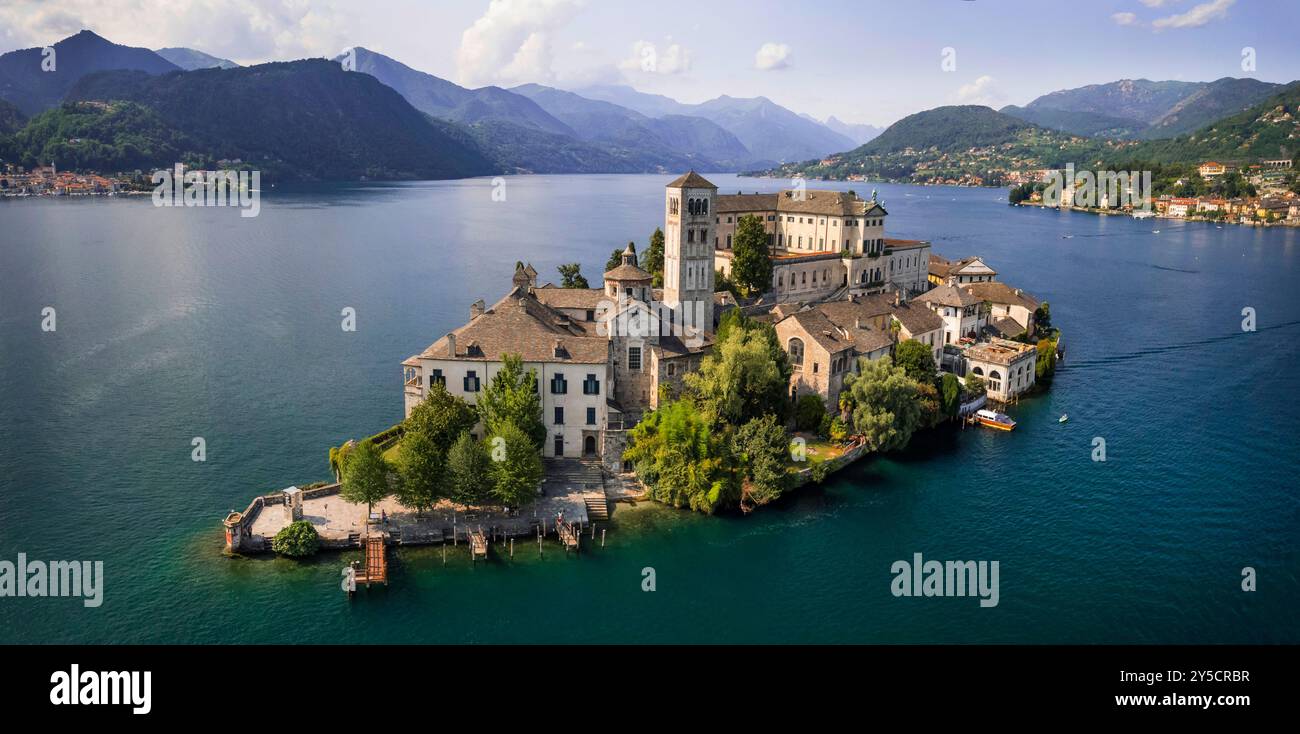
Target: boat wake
{"points": [[1086, 364]]}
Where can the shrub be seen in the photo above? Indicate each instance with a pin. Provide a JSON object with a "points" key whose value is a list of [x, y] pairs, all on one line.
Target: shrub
{"points": [[298, 540], [808, 412]]}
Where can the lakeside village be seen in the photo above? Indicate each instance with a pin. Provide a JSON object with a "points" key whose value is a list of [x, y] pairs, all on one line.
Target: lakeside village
{"points": [[1260, 193], [760, 342]]}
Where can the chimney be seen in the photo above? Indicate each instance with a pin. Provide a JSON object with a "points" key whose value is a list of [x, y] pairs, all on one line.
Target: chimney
{"points": [[858, 323], [1019, 292], [476, 308], [451, 345]]}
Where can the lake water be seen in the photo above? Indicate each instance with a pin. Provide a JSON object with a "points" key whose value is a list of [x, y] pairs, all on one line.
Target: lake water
{"points": [[177, 323]]}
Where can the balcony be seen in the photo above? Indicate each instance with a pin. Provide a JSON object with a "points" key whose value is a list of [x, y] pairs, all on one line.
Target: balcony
{"points": [[414, 388]]}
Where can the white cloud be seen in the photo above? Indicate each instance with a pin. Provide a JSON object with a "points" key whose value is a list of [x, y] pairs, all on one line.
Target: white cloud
{"points": [[772, 56], [1157, 3], [983, 91], [671, 58], [1124, 19], [248, 31], [1197, 16], [511, 43]]}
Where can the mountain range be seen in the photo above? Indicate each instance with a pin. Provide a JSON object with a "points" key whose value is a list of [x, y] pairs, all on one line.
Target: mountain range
{"points": [[1142, 109], [190, 59], [35, 82]]}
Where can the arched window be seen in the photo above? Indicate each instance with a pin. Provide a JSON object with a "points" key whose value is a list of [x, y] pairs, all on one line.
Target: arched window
{"points": [[994, 375], [795, 349], [704, 203], [977, 371]]}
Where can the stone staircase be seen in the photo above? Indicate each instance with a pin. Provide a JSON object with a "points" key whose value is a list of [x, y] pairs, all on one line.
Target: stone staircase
{"points": [[584, 475]]}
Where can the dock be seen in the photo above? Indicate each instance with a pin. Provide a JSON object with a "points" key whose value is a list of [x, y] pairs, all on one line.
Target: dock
{"points": [[478, 544], [376, 565], [567, 533]]}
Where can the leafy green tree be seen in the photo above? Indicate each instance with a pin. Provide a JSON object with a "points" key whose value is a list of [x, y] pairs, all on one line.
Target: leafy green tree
{"points": [[743, 378], [1043, 316], [916, 359], [808, 412], [761, 448], [421, 467], [516, 465], [654, 257], [469, 471], [975, 386], [949, 394], [681, 459], [751, 264], [887, 405], [1045, 361], [571, 276], [928, 398], [441, 416], [365, 476], [512, 397], [298, 539]]}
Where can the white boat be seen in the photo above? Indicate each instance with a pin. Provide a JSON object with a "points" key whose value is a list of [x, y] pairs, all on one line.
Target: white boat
{"points": [[1143, 215], [1064, 417], [992, 419]]}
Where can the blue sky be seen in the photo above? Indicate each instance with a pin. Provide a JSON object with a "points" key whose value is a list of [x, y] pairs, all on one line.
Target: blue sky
{"points": [[862, 61]]}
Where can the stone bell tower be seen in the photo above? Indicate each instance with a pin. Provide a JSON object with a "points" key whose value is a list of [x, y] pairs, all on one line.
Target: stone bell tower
{"points": [[688, 252]]}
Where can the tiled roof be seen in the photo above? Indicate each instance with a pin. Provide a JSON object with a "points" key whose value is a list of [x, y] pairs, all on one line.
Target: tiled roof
{"points": [[691, 180], [574, 298], [521, 324], [1001, 293], [826, 203], [627, 272], [947, 295], [917, 319], [998, 351]]}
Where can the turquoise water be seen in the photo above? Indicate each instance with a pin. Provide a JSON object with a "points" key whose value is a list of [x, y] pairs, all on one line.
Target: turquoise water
{"points": [[176, 323]]}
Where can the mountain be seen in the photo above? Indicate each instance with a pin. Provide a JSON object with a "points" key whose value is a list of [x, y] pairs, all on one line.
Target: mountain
{"points": [[303, 120], [767, 129], [1091, 124], [24, 82], [190, 59], [11, 118], [1269, 129], [1216, 100], [952, 128], [650, 105], [1140, 108], [446, 100], [857, 132], [966, 144], [678, 141]]}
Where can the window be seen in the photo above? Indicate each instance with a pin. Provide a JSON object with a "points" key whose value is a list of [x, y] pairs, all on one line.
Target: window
{"points": [[690, 235], [591, 315], [591, 386], [559, 385], [728, 220], [795, 349], [634, 358], [559, 416], [437, 377], [471, 381], [728, 242], [591, 416]]}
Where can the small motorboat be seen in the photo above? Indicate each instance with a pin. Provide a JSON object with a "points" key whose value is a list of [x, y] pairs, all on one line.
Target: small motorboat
{"points": [[1064, 417], [1155, 231], [1000, 421]]}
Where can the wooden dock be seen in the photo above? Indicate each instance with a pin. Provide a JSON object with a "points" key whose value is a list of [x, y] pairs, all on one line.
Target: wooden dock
{"points": [[478, 545], [376, 567], [568, 535]]}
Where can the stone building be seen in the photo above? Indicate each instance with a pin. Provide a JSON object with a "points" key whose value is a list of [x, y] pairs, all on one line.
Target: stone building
{"points": [[1006, 367]]}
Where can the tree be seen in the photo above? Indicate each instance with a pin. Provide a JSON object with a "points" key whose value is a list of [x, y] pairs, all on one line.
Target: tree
{"points": [[1043, 316], [298, 539], [469, 478], [743, 378], [421, 467], [887, 408], [516, 465], [1045, 361], [681, 459], [949, 394], [927, 396], [365, 476], [761, 448], [654, 257], [975, 386], [571, 276], [808, 412], [751, 264], [916, 359], [512, 397], [441, 416]]}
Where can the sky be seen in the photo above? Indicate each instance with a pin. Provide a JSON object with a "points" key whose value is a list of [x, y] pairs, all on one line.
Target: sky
{"points": [[863, 61]]}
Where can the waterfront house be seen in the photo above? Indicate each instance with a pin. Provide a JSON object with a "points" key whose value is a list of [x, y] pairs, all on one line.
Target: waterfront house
{"points": [[942, 271], [964, 314], [1007, 367], [1180, 207], [825, 341], [1011, 310]]}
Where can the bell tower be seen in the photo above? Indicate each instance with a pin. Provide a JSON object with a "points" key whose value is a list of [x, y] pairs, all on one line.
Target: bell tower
{"points": [[688, 252]]}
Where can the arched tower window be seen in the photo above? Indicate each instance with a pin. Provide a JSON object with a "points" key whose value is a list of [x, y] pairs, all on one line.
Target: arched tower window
{"points": [[795, 349]]}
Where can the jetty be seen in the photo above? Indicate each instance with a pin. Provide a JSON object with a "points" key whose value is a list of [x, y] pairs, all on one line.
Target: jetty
{"points": [[478, 544], [376, 566]]}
